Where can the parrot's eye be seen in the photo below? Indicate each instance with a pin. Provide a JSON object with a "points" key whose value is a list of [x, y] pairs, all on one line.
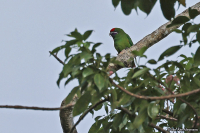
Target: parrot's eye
{"points": [[113, 33]]}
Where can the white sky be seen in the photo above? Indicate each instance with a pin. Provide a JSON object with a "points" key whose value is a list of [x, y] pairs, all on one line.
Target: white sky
{"points": [[29, 29]]}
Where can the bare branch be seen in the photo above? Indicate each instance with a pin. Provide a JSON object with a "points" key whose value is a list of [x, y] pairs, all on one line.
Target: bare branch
{"points": [[59, 60], [168, 112], [154, 98], [167, 118], [126, 111], [36, 108]]}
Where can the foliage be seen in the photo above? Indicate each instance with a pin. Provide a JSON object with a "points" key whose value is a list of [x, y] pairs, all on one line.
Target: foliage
{"points": [[167, 6], [90, 69]]}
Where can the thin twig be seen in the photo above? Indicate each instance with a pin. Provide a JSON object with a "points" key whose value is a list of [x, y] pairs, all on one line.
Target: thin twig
{"points": [[158, 128], [85, 113], [59, 60], [150, 124], [126, 110], [196, 115], [167, 118], [37, 108], [154, 98], [168, 112]]}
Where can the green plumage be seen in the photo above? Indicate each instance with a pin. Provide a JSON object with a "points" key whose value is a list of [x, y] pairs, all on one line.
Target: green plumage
{"points": [[121, 39]]}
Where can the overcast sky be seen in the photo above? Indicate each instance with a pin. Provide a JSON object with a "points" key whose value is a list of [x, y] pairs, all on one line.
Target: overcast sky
{"points": [[29, 29]]}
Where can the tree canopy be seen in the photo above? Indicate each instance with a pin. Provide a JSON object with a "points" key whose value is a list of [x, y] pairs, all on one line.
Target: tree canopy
{"points": [[146, 99]]}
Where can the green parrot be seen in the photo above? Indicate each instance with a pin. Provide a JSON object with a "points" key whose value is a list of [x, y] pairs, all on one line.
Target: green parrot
{"points": [[121, 39]]}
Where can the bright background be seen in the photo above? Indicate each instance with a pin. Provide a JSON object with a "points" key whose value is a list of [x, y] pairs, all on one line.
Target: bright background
{"points": [[30, 29]]}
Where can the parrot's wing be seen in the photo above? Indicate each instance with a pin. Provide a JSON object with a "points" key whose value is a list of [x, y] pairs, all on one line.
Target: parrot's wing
{"points": [[129, 40]]}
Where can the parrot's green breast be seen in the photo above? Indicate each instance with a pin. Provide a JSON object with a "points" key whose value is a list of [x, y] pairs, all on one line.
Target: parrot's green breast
{"points": [[122, 42]]}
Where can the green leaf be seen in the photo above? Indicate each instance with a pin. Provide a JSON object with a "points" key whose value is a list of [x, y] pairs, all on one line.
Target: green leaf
{"points": [[71, 42], [124, 99], [197, 56], [56, 50], [98, 107], [95, 127], [67, 51], [113, 99], [198, 36], [82, 104], [99, 81], [152, 61], [140, 118], [182, 2], [127, 6], [76, 35], [193, 28], [140, 72], [115, 3], [193, 13], [182, 119], [106, 107], [86, 56], [177, 31], [87, 34], [140, 52], [186, 26], [146, 5], [71, 95], [95, 46], [167, 7], [61, 76], [68, 80], [178, 21], [169, 51], [67, 69], [153, 109], [86, 44], [87, 71], [117, 120]]}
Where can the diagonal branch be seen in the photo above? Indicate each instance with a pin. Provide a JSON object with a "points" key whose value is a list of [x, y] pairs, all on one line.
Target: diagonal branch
{"points": [[126, 57], [154, 98], [59, 60], [158, 128], [85, 113], [150, 124]]}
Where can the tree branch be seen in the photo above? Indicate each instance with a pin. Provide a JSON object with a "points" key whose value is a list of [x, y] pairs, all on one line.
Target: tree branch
{"points": [[169, 90], [36, 108], [126, 57], [154, 98], [150, 124], [66, 116], [158, 128], [85, 113], [167, 118], [168, 112], [126, 110], [59, 60]]}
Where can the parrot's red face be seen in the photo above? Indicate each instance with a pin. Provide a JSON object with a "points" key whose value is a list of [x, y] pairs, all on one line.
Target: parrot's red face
{"points": [[113, 32]]}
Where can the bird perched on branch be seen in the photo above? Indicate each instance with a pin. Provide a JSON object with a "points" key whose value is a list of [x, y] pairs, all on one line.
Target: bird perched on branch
{"points": [[121, 39]]}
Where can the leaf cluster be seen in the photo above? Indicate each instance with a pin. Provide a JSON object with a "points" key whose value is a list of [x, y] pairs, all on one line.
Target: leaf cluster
{"points": [[167, 6], [89, 68]]}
